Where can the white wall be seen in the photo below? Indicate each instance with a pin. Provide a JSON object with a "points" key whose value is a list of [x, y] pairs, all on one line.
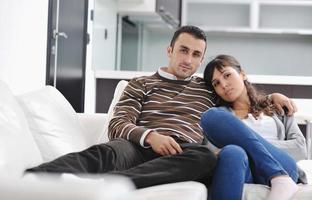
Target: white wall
{"points": [[265, 54], [104, 49], [136, 6], [259, 54], [89, 104], [23, 41], [154, 49]]}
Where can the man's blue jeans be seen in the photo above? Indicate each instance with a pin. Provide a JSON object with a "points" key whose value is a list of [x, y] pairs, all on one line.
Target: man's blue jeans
{"points": [[245, 156]]}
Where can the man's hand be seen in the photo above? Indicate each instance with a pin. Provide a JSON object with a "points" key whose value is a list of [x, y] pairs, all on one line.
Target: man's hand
{"points": [[163, 145], [281, 101]]}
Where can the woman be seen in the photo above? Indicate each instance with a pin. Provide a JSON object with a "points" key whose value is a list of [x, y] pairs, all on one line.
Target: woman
{"points": [[263, 152]]}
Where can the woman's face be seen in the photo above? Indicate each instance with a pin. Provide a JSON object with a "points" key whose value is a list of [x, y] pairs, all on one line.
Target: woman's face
{"points": [[229, 83]]}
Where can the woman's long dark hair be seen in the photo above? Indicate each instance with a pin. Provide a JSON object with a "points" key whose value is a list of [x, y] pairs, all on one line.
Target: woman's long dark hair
{"points": [[259, 101]]}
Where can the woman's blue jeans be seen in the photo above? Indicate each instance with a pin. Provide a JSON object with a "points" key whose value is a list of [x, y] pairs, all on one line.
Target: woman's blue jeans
{"points": [[245, 157]]}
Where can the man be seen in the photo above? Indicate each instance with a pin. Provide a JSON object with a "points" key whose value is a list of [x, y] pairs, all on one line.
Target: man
{"points": [[155, 133]]}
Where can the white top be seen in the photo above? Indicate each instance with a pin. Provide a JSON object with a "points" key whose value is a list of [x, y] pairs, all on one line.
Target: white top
{"points": [[264, 126]]}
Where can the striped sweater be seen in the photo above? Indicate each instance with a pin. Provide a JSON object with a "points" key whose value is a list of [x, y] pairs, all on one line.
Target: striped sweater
{"points": [[170, 107]]}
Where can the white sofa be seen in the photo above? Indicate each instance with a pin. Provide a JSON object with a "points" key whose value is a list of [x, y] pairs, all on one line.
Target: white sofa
{"points": [[41, 125]]}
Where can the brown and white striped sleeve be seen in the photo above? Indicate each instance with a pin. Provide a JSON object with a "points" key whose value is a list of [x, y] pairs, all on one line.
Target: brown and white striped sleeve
{"points": [[126, 113]]}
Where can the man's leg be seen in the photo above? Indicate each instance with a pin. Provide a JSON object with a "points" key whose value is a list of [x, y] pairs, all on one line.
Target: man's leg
{"points": [[118, 154], [231, 172], [223, 128], [195, 163]]}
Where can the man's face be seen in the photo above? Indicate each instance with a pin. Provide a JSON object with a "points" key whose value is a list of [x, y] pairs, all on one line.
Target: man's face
{"points": [[185, 56]]}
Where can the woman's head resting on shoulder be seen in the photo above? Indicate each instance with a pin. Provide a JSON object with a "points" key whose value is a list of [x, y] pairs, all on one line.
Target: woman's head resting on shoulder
{"points": [[225, 76]]}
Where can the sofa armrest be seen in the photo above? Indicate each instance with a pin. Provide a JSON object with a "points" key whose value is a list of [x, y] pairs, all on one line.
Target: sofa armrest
{"points": [[93, 127], [306, 166], [304, 116], [309, 138]]}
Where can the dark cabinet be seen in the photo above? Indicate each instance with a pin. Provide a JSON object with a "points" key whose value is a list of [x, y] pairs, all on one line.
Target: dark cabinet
{"points": [[170, 11]]}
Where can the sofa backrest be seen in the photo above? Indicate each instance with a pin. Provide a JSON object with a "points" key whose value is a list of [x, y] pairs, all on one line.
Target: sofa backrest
{"points": [[117, 94], [53, 122], [36, 127]]}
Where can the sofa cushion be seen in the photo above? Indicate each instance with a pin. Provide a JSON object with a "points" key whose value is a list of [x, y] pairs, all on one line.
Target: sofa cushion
{"points": [[18, 149], [260, 192], [187, 190], [117, 94], [53, 122], [65, 187]]}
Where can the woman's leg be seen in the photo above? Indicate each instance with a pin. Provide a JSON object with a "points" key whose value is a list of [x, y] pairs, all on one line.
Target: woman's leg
{"points": [[231, 173], [223, 128]]}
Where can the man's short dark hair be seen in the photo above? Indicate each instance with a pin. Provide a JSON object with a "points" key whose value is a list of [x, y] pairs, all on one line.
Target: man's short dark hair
{"points": [[192, 30]]}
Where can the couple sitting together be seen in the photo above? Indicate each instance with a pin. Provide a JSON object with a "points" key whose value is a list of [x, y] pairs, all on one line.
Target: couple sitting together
{"points": [[167, 128]]}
